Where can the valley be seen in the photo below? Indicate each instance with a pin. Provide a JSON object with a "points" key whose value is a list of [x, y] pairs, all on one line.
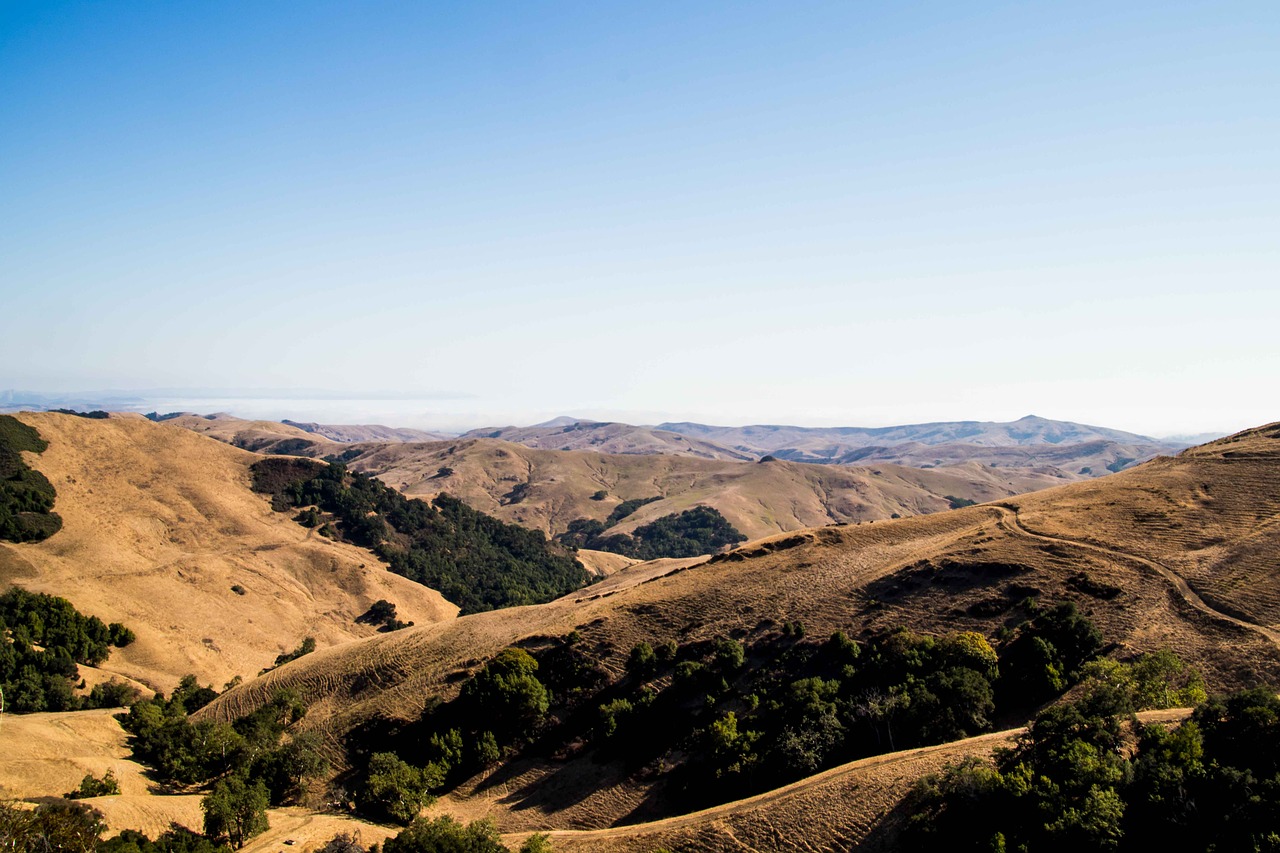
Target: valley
{"points": [[1174, 554]]}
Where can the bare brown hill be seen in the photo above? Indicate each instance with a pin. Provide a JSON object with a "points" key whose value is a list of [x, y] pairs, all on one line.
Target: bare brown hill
{"points": [[1030, 430], [1138, 552], [258, 436], [609, 437], [547, 489], [1028, 442], [348, 433], [161, 532]]}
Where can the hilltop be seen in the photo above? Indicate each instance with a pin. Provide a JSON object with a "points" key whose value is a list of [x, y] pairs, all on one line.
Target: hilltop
{"points": [[1173, 554]]}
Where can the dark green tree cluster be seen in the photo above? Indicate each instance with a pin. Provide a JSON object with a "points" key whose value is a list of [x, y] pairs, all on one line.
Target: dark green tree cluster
{"points": [[44, 678], [499, 708], [728, 718], [474, 560], [26, 495], [1088, 776], [78, 828], [447, 835], [697, 531], [254, 748], [383, 614], [92, 786], [95, 415], [50, 826]]}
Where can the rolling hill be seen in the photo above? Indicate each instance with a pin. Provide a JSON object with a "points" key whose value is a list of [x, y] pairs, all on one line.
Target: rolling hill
{"points": [[1177, 553], [606, 437], [160, 524], [763, 438], [548, 489], [347, 433]]}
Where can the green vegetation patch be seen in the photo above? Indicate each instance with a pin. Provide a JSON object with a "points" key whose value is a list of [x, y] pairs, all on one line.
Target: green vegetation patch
{"points": [[26, 495], [44, 637], [725, 718], [1088, 776], [697, 531], [473, 559]]}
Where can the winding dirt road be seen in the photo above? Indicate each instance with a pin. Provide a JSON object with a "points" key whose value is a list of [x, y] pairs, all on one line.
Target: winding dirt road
{"points": [[1011, 523]]}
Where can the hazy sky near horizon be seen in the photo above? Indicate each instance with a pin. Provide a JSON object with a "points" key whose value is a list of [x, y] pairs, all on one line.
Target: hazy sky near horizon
{"points": [[812, 213]]}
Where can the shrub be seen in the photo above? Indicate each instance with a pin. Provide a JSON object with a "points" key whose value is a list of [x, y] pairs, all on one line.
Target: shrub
{"points": [[90, 786]]}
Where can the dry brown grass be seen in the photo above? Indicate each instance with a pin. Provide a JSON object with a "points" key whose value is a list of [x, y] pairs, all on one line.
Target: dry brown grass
{"points": [[160, 523], [955, 570], [759, 499]]}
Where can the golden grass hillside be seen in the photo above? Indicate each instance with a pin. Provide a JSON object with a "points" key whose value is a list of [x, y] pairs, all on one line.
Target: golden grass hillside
{"points": [[610, 437], [1101, 544], [547, 489], [160, 524]]}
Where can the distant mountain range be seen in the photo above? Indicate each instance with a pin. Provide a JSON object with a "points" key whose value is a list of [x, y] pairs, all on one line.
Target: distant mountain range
{"points": [[1029, 442], [346, 433]]}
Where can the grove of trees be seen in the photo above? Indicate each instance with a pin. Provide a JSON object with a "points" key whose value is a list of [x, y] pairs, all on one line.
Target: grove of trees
{"points": [[26, 495], [473, 559], [42, 639]]}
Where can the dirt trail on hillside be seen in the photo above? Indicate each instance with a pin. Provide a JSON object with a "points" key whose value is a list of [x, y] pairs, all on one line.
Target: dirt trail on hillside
{"points": [[1010, 521], [775, 813]]}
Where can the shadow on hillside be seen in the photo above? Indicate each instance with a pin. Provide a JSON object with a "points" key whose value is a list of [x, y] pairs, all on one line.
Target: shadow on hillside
{"points": [[548, 787], [885, 834]]}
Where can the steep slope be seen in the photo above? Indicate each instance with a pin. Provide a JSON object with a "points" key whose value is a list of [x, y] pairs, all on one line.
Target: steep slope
{"points": [[159, 525], [1100, 544]]}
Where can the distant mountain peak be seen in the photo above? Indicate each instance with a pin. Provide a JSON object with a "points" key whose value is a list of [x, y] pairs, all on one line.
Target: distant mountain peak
{"points": [[564, 421]]}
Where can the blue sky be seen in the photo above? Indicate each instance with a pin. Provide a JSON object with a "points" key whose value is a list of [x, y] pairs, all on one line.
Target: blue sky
{"points": [[814, 213]]}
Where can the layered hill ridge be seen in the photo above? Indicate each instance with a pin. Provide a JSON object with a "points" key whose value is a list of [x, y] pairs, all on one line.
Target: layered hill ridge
{"points": [[608, 437], [767, 438], [159, 528], [347, 433], [548, 489], [1029, 441], [1177, 553]]}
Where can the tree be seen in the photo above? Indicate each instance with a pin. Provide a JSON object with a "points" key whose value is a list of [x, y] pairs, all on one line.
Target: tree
{"points": [[446, 835], [506, 696], [236, 810], [395, 789], [58, 826]]}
